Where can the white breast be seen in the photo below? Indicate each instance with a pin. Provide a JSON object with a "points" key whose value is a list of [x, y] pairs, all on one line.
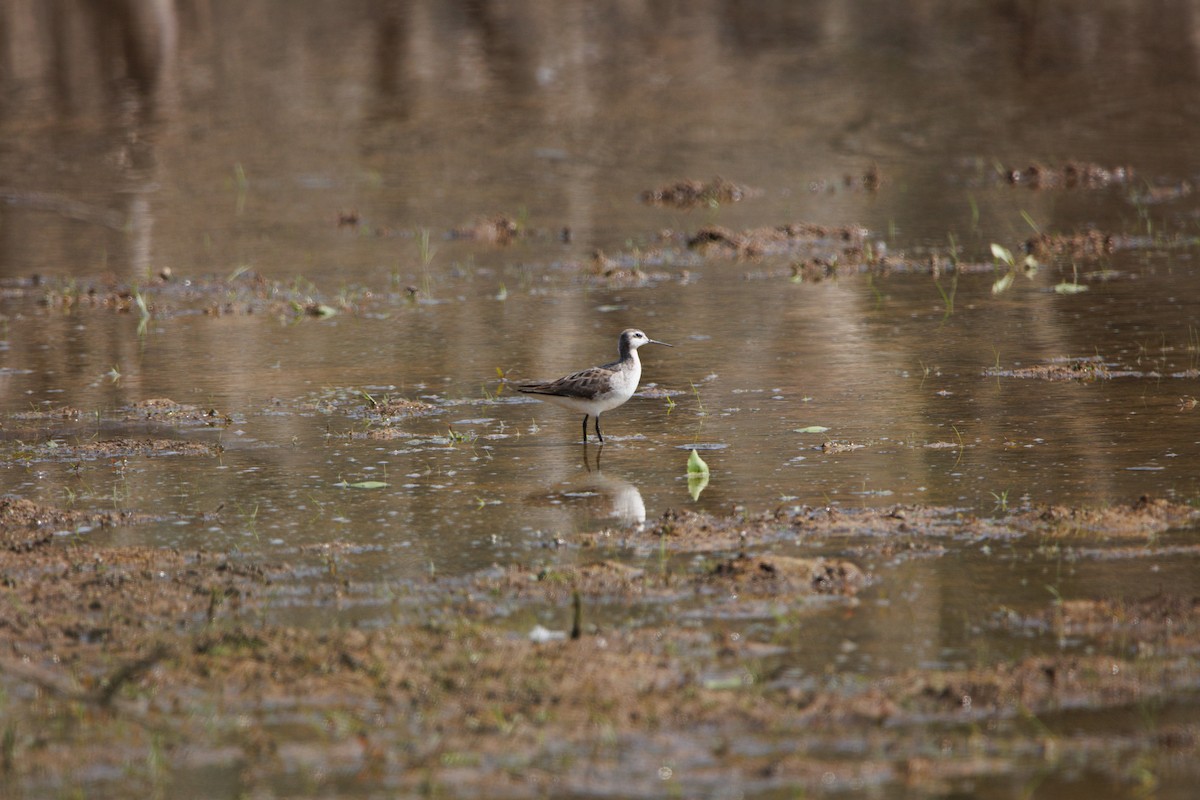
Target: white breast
{"points": [[624, 383]]}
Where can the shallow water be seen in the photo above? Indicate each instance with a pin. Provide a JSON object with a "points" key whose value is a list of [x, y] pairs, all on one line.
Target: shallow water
{"points": [[236, 154], [754, 362]]}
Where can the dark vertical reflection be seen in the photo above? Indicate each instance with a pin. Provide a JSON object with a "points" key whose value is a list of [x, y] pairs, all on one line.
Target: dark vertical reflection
{"points": [[392, 81], [503, 43]]}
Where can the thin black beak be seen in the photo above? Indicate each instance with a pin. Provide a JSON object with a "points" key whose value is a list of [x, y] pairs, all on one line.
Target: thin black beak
{"points": [[656, 341]]}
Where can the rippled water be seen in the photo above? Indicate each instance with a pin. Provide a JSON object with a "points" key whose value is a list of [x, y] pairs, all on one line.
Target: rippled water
{"points": [[227, 164], [756, 361], [237, 153]]}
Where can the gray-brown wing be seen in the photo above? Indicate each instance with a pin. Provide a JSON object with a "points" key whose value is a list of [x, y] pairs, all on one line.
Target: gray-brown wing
{"points": [[585, 383]]}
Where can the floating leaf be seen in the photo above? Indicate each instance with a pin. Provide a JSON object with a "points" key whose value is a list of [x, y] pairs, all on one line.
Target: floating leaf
{"points": [[1002, 253], [1002, 284], [812, 429], [1070, 288], [361, 485], [697, 474]]}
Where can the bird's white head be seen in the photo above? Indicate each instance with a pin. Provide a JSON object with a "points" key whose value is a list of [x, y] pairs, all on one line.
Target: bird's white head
{"points": [[632, 339]]}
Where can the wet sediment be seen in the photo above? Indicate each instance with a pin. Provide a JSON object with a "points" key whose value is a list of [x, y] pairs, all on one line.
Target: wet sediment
{"points": [[169, 650]]}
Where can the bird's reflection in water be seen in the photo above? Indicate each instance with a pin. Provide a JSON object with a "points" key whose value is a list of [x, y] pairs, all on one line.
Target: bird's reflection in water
{"points": [[603, 495]]}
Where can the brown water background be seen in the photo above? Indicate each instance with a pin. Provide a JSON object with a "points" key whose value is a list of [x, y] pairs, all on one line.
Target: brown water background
{"points": [[213, 139]]}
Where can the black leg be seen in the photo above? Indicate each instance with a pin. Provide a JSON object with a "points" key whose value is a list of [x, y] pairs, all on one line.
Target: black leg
{"points": [[598, 433], [585, 416]]}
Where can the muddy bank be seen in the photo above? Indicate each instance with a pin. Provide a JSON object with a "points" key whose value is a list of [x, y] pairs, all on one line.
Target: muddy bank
{"points": [[166, 658]]}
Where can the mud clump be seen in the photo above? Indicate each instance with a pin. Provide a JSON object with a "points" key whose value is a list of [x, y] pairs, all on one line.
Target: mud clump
{"points": [[163, 409], [688, 194], [626, 270], [59, 450], [847, 241], [1079, 369], [814, 270], [773, 575], [1070, 175], [386, 411], [25, 525], [398, 407], [831, 447], [384, 434], [59, 414], [1089, 245], [167, 296], [1145, 517], [871, 179], [498, 229]]}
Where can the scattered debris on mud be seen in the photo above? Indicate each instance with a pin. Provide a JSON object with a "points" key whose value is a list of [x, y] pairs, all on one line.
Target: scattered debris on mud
{"points": [[753, 576], [832, 446], [163, 409], [628, 271], [774, 575], [814, 270], [847, 242], [1088, 245], [498, 229], [174, 651], [54, 414], [1074, 369], [815, 253], [1069, 175], [688, 194], [380, 408], [65, 449], [1146, 517], [155, 410], [242, 292], [25, 525], [1091, 368], [390, 408], [696, 532]]}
